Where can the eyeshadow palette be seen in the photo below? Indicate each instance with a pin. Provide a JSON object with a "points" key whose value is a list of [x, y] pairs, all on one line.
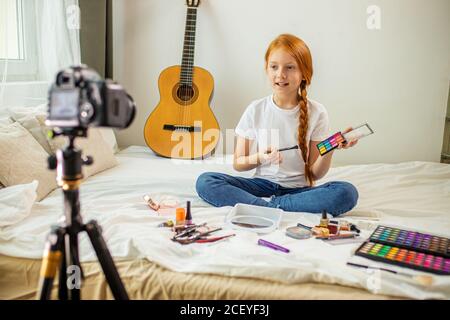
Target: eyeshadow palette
{"points": [[412, 240], [404, 257], [330, 143]]}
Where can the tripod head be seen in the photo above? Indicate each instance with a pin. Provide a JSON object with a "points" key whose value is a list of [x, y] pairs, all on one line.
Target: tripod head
{"points": [[68, 161]]}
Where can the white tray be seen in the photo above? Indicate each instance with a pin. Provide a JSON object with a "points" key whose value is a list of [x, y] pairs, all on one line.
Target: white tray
{"points": [[267, 219]]}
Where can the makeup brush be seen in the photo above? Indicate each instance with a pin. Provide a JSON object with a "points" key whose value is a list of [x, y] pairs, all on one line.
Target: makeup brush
{"points": [[284, 149], [289, 148], [424, 280]]}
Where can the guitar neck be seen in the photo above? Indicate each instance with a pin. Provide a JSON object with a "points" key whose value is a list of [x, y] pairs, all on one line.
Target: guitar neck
{"points": [[187, 61]]}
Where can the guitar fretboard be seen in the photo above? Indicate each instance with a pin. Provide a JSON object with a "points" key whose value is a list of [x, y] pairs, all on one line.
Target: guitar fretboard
{"points": [[187, 61]]}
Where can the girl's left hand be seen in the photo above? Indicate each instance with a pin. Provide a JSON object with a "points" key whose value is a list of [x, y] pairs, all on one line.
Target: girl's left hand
{"points": [[350, 143]]}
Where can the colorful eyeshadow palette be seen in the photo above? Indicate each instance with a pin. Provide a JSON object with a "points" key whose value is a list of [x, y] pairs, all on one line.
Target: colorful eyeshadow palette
{"points": [[330, 143], [412, 240], [404, 257]]}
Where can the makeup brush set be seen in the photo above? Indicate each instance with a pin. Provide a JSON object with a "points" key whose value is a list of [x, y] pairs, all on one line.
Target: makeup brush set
{"points": [[200, 233]]}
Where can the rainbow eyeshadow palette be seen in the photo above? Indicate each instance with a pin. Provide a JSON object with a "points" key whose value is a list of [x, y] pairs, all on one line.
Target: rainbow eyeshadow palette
{"points": [[412, 240], [409, 249], [330, 143], [404, 258]]}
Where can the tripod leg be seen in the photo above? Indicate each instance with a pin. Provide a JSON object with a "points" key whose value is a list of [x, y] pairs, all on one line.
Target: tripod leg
{"points": [[70, 257], [106, 261], [50, 261], [62, 288], [73, 265], [74, 225]]}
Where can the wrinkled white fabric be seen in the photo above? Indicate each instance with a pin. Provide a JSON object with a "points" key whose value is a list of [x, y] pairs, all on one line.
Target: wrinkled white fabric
{"points": [[16, 202]]}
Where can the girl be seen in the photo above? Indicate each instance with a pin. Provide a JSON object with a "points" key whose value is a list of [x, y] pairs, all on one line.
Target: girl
{"points": [[287, 118]]}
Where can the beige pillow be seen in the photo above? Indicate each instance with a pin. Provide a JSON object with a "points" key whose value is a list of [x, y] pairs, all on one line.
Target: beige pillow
{"points": [[33, 119], [110, 138], [28, 118], [22, 160], [94, 145], [4, 120]]}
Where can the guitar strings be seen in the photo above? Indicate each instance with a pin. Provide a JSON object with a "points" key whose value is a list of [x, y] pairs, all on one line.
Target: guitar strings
{"points": [[186, 90], [182, 73], [190, 87], [185, 85], [192, 11], [187, 70], [183, 68]]}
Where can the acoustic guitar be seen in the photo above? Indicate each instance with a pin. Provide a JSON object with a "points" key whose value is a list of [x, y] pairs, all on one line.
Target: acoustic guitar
{"points": [[182, 125]]}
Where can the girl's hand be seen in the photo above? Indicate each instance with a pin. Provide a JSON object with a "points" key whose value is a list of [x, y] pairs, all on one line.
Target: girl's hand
{"points": [[349, 143], [270, 156]]}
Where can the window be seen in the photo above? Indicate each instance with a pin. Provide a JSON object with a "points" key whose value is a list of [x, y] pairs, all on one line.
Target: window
{"points": [[18, 40], [11, 30]]}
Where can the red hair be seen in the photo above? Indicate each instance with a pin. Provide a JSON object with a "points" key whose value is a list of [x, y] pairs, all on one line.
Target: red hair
{"points": [[300, 52]]}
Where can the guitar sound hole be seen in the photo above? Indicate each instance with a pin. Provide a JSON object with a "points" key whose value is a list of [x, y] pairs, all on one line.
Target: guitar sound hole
{"points": [[185, 92]]}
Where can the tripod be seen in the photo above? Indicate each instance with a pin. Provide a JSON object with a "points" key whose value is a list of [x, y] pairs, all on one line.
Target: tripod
{"points": [[62, 243]]}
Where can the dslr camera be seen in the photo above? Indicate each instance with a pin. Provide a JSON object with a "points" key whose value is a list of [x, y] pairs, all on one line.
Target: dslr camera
{"points": [[79, 98]]}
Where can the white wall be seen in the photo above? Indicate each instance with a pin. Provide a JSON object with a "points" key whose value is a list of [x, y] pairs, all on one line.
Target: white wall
{"points": [[395, 78]]}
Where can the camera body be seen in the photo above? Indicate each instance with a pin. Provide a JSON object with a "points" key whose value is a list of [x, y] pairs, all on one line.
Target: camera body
{"points": [[79, 98]]}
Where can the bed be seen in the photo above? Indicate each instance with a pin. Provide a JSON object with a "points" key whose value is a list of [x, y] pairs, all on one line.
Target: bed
{"points": [[413, 195]]}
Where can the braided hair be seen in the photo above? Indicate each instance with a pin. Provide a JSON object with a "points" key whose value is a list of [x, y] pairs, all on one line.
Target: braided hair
{"points": [[300, 52]]}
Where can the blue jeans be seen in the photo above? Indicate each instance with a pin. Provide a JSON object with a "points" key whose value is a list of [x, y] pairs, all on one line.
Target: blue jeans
{"points": [[220, 190]]}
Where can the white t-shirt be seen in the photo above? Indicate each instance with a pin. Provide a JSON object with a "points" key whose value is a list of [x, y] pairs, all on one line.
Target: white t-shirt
{"points": [[270, 125]]}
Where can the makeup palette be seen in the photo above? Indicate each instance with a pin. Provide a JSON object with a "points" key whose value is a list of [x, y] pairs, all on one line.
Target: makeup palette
{"points": [[404, 258], [417, 241], [405, 248], [330, 143]]}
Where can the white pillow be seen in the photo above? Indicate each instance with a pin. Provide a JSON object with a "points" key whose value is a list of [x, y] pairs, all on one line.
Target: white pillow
{"points": [[16, 202]]}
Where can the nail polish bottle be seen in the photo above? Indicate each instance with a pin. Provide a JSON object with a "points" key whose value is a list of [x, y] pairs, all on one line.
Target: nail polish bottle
{"points": [[324, 220], [188, 213]]}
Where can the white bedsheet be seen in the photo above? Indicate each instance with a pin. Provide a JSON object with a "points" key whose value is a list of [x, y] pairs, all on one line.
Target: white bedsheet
{"points": [[414, 195]]}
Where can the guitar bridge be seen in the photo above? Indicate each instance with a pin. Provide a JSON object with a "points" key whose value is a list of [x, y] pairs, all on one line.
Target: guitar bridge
{"points": [[174, 127]]}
